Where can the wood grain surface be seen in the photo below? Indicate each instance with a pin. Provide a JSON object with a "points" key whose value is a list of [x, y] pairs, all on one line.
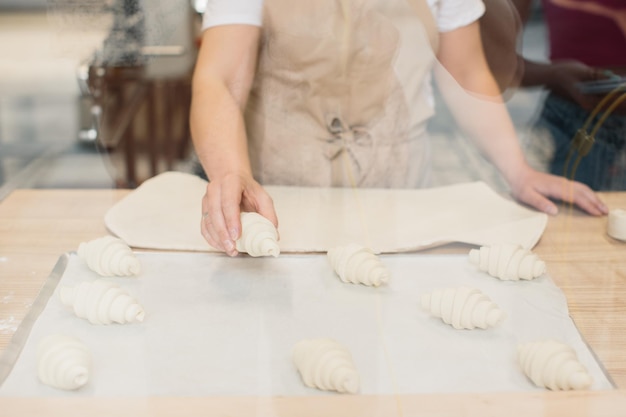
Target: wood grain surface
{"points": [[37, 226]]}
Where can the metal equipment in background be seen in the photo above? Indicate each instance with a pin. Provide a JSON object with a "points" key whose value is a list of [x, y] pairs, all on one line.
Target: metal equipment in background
{"points": [[136, 88]]}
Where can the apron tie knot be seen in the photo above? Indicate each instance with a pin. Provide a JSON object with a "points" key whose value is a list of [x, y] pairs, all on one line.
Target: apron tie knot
{"points": [[346, 138]]}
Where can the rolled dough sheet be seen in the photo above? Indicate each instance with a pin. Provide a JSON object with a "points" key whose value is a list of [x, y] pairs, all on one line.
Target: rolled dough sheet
{"points": [[164, 213]]}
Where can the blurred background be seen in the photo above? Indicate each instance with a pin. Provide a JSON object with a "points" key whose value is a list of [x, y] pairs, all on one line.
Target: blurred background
{"points": [[95, 94]]}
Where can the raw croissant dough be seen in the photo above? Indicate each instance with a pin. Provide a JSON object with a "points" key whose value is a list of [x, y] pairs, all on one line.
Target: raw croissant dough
{"points": [[507, 262], [616, 224], [63, 362], [109, 256], [462, 308], [258, 236], [554, 365], [101, 302], [358, 265], [326, 365]]}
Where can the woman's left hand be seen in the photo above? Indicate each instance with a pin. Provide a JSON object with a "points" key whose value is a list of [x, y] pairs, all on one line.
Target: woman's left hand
{"points": [[536, 188]]}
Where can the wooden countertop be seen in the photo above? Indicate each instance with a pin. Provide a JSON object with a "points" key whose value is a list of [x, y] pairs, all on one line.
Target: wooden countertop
{"points": [[37, 226]]}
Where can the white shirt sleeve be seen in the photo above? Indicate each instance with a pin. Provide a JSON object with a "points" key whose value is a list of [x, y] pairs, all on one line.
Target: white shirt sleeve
{"points": [[449, 14], [453, 14], [228, 12]]}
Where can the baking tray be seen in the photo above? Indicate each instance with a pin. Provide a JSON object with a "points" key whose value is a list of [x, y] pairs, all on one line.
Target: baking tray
{"points": [[220, 326]]}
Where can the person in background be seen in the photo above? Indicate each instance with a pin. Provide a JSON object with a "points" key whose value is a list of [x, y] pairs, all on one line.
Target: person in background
{"points": [[587, 42], [338, 93]]}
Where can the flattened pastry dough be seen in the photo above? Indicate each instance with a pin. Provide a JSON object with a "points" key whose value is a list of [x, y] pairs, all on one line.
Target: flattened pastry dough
{"points": [[165, 211]]}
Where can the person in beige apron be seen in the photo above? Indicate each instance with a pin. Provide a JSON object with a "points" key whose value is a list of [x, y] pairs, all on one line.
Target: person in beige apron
{"points": [[327, 107], [331, 93]]}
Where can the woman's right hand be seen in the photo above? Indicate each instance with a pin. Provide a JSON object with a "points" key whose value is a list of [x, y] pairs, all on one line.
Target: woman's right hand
{"points": [[223, 74], [222, 204]]}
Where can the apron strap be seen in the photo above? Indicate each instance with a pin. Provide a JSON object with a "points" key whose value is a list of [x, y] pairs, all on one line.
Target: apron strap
{"points": [[424, 13]]}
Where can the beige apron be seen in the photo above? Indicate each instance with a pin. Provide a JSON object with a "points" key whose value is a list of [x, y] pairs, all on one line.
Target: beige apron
{"points": [[339, 99]]}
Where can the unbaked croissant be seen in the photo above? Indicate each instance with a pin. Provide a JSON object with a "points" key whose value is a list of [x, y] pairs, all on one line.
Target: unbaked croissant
{"points": [[101, 302], [507, 262], [63, 362], [554, 365], [462, 308], [258, 236], [326, 365], [358, 265], [109, 256]]}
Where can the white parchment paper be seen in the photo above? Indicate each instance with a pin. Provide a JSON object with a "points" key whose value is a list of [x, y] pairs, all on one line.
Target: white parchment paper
{"points": [[226, 326]]}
